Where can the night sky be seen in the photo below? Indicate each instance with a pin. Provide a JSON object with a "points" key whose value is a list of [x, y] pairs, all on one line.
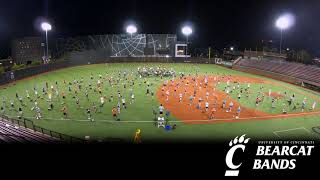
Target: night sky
{"points": [[243, 23]]}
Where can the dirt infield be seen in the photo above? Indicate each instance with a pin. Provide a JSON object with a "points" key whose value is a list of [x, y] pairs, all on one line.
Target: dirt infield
{"points": [[188, 113], [274, 95]]}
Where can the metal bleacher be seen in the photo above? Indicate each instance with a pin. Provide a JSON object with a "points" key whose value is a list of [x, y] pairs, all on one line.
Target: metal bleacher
{"points": [[11, 133], [307, 73]]}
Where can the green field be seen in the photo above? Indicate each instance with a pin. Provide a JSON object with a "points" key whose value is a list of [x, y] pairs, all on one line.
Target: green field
{"points": [[139, 114]]}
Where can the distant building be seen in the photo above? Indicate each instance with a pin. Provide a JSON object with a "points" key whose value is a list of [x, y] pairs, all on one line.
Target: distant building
{"points": [[268, 45], [230, 55], [262, 55], [26, 50]]}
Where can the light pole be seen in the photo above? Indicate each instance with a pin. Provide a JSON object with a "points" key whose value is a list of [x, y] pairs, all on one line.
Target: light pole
{"points": [[43, 45], [46, 27], [187, 31], [283, 23], [131, 29]]}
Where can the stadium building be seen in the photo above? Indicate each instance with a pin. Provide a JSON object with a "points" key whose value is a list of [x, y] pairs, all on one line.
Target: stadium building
{"points": [[26, 50]]}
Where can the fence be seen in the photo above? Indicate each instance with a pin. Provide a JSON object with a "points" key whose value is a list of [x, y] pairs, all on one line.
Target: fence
{"points": [[6, 78], [159, 60], [30, 125]]}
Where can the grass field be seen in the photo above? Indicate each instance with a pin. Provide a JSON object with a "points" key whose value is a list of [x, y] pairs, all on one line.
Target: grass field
{"points": [[139, 114]]}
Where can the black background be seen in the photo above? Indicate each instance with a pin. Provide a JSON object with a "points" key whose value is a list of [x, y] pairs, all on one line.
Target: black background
{"points": [[137, 161]]}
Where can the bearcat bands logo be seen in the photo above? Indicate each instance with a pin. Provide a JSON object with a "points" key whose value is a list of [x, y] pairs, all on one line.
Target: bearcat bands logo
{"points": [[235, 145], [269, 154]]}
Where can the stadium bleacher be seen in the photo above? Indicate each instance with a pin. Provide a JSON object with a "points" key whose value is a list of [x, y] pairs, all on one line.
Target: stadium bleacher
{"points": [[12, 133], [307, 73]]}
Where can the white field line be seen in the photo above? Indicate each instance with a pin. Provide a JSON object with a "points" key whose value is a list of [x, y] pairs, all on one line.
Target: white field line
{"points": [[186, 121], [294, 129]]}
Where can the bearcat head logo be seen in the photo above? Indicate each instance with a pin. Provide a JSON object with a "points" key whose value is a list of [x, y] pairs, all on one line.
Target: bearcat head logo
{"points": [[235, 144]]}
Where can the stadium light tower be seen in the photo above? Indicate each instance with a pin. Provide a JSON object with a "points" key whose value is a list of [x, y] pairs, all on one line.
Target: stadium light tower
{"points": [[46, 27], [283, 23], [187, 31], [131, 29]]}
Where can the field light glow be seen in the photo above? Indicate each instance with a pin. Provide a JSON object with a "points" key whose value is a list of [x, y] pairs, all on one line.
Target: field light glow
{"points": [[285, 21], [131, 29], [46, 26], [187, 30]]}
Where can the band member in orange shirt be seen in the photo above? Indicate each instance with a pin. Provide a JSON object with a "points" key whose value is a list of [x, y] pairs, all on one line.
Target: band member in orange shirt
{"points": [[213, 111], [114, 113], [64, 110]]}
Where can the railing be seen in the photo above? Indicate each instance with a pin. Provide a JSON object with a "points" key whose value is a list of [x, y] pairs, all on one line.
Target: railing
{"points": [[237, 60], [30, 125]]}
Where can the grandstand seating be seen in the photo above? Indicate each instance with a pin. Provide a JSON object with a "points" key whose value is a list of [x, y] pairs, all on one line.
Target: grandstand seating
{"points": [[307, 73], [11, 133]]}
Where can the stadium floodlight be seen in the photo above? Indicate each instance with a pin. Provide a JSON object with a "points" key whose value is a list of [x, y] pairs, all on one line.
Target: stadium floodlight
{"points": [[283, 23], [187, 31], [231, 48], [46, 27], [131, 29]]}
